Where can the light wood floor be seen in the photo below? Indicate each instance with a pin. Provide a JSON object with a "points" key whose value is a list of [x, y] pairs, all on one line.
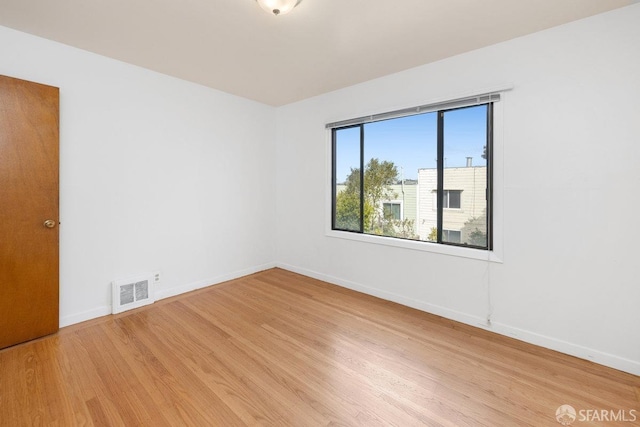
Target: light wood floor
{"points": [[276, 348]]}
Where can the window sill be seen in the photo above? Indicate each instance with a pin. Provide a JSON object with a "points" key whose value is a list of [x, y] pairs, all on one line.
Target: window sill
{"points": [[457, 251]]}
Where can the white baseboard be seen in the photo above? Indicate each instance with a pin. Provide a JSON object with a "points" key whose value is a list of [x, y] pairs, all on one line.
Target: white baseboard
{"points": [[390, 296], [596, 356], [85, 315], [166, 293], [602, 358]]}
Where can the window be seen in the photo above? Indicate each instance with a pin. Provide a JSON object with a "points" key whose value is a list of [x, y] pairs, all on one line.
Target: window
{"points": [[392, 210], [420, 176], [451, 199]]}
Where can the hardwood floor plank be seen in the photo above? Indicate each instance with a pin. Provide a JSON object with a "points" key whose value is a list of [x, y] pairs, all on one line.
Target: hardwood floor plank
{"points": [[198, 350], [379, 355], [188, 392], [97, 413], [508, 354], [273, 351], [276, 348], [347, 347], [246, 338], [57, 403], [116, 397]]}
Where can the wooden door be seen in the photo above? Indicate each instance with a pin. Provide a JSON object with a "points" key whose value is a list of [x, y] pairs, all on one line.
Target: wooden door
{"points": [[28, 210]]}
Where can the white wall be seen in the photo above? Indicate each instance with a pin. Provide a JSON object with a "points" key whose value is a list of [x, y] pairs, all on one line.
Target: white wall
{"points": [[570, 163], [155, 174]]}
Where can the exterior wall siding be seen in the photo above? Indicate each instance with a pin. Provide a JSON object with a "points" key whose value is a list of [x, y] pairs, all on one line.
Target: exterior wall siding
{"points": [[471, 181]]}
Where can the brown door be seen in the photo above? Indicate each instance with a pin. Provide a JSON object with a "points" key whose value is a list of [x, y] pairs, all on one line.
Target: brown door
{"points": [[28, 210]]}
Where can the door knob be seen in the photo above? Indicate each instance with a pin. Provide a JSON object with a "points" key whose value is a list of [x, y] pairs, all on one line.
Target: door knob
{"points": [[49, 223]]}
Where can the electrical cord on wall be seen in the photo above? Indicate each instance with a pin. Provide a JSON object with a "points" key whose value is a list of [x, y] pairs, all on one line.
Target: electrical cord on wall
{"points": [[489, 301]]}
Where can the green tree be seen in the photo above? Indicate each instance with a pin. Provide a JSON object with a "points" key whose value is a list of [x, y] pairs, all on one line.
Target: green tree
{"points": [[379, 176], [348, 211], [403, 228], [474, 231], [433, 234], [348, 204]]}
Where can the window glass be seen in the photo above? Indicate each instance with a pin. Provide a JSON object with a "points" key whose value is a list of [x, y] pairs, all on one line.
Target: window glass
{"points": [[451, 236], [394, 151], [465, 169], [402, 181], [347, 179], [392, 211], [451, 199]]}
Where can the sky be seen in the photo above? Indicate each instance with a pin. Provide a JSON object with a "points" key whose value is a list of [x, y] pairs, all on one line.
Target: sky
{"points": [[411, 142]]}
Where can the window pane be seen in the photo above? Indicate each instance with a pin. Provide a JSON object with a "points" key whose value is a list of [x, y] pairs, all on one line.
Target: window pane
{"points": [[451, 236], [395, 211], [392, 211], [347, 179], [396, 193], [395, 152], [454, 199], [465, 170]]}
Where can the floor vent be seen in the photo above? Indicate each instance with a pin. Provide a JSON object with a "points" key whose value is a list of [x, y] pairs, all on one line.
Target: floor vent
{"points": [[132, 293]]}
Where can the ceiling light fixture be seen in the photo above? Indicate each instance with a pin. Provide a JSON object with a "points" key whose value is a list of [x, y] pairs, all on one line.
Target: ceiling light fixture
{"points": [[278, 7]]}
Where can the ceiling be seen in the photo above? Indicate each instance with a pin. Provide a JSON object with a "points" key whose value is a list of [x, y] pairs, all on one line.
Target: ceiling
{"points": [[321, 46]]}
